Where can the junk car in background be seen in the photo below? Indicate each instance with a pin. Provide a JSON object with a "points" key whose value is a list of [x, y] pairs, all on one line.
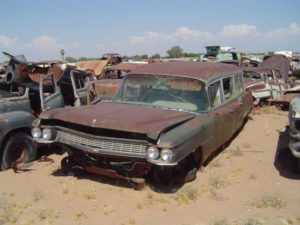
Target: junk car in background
{"points": [[97, 67], [217, 53], [118, 71], [26, 90], [269, 81], [165, 120], [105, 88], [113, 58], [294, 129], [18, 109]]}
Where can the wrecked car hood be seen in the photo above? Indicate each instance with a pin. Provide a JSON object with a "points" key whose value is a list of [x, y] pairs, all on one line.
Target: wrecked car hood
{"points": [[254, 85], [121, 117]]}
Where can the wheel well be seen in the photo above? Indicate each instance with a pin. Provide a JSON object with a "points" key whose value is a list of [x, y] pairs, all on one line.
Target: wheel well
{"points": [[198, 157]]}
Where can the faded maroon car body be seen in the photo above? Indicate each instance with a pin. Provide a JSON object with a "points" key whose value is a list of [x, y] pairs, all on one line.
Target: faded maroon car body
{"points": [[148, 120], [114, 138]]}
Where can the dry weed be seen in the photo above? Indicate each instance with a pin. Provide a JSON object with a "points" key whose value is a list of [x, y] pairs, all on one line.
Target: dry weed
{"points": [[79, 215], [217, 181], [237, 151], [213, 194], [38, 195], [253, 221], [187, 194], [221, 221], [273, 200], [65, 189], [47, 214], [216, 163], [131, 221], [106, 210], [89, 196], [138, 206]]}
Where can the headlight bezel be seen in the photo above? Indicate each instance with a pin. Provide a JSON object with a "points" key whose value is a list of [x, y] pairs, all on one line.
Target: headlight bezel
{"points": [[36, 132], [159, 155], [167, 155], [153, 153], [48, 134]]}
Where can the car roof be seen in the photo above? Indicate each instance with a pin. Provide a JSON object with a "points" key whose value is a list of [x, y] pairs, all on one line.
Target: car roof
{"points": [[199, 70]]}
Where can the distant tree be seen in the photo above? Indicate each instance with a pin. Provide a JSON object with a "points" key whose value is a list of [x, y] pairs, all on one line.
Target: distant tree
{"points": [[175, 52], [82, 59], [191, 55], [156, 56], [137, 58], [145, 56], [70, 59], [125, 58]]}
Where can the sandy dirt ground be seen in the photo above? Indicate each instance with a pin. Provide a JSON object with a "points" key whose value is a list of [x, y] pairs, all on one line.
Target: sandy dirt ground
{"points": [[250, 182]]}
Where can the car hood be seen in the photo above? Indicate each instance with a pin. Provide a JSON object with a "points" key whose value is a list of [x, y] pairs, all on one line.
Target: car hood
{"points": [[254, 85], [123, 117]]}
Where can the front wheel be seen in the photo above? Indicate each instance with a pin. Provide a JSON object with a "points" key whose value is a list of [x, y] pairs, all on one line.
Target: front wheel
{"points": [[18, 148], [163, 175]]}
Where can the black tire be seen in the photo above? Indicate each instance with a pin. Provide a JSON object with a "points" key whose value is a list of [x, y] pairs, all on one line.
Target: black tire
{"points": [[163, 176], [67, 163], [298, 165], [18, 148]]}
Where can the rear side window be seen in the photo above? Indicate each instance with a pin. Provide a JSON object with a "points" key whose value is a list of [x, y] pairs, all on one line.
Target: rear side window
{"points": [[214, 93], [228, 88], [238, 84]]}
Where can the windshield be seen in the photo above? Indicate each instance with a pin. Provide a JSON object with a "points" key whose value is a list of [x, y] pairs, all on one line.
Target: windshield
{"points": [[174, 92]]}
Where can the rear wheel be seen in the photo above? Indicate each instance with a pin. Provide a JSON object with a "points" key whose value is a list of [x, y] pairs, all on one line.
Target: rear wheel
{"points": [[18, 148]]}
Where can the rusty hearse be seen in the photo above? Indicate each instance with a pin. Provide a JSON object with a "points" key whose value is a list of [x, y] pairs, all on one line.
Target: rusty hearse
{"points": [[165, 120]]}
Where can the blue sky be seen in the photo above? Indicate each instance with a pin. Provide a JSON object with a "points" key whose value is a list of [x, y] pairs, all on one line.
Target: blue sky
{"points": [[39, 29]]}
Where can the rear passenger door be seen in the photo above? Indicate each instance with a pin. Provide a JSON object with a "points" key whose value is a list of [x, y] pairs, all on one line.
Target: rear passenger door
{"points": [[222, 115], [233, 101]]}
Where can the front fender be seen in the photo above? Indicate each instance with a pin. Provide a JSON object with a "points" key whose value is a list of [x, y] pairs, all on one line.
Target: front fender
{"points": [[187, 137], [14, 120]]}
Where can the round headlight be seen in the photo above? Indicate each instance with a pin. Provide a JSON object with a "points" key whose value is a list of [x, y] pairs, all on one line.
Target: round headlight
{"points": [[36, 132], [48, 134], [152, 152], [167, 155]]}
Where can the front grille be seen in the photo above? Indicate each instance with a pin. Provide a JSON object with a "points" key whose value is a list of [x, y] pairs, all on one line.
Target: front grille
{"points": [[103, 145]]}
